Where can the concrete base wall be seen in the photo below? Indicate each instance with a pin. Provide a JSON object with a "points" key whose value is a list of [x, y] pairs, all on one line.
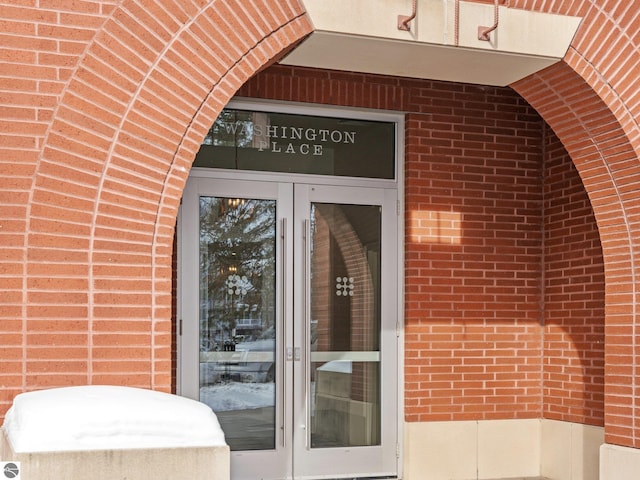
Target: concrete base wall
{"points": [[472, 450], [570, 451], [619, 463], [193, 463]]}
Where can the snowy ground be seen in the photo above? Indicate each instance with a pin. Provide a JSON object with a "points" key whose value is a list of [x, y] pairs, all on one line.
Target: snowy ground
{"points": [[230, 396]]}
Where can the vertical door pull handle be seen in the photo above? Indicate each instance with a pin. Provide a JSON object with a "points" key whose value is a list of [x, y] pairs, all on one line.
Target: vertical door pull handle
{"points": [[283, 333], [305, 326]]}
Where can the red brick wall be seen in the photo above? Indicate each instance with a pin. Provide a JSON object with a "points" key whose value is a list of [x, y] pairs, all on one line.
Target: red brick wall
{"points": [[475, 203], [573, 354], [473, 287]]}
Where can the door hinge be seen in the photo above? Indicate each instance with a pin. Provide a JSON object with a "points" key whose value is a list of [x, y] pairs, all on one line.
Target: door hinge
{"points": [[180, 327], [397, 450], [398, 207]]}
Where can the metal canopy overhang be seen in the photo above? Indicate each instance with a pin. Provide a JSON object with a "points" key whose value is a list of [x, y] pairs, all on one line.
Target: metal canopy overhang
{"points": [[362, 36], [405, 59]]}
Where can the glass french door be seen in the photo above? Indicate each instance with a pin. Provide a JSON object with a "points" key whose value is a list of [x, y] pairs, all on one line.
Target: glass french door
{"points": [[288, 305]]}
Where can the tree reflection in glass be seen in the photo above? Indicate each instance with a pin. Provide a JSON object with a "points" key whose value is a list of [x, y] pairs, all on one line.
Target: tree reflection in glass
{"points": [[237, 317]]}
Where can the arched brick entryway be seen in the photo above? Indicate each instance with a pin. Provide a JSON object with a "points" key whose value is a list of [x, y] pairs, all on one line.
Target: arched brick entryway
{"points": [[591, 103], [605, 159], [116, 153], [114, 162]]}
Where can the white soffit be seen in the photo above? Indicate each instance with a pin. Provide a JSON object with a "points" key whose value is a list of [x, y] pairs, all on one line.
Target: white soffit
{"points": [[362, 36], [405, 59]]}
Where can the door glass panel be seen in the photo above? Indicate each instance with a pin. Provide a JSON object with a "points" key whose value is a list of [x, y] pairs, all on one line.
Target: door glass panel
{"points": [[237, 318], [344, 330]]}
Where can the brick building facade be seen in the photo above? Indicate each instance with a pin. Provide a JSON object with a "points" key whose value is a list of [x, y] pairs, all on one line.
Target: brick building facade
{"points": [[520, 203]]}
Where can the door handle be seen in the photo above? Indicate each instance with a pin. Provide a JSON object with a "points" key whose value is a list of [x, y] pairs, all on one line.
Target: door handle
{"points": [[283, 334], [305, 327]]}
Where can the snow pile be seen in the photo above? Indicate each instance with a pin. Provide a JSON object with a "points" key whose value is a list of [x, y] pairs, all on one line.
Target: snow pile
{"points": [[108, 418]]}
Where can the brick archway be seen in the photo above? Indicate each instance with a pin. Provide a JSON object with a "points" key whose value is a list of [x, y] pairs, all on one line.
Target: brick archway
{"points": [[591, 104], [605, 159], [113, 166]]}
